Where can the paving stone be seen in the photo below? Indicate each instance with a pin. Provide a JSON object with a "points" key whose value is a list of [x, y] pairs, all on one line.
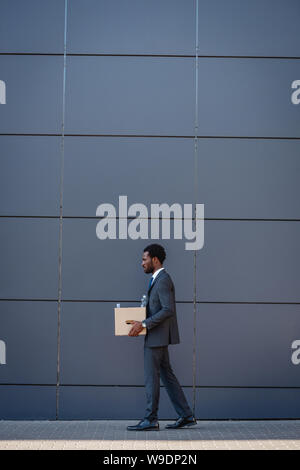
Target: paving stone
{"points": [[113, 435]]}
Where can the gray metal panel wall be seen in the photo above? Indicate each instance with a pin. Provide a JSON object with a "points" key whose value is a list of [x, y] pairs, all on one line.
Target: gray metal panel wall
{"points": [[29, 178], [33, 94], [120, 119], [247, 345], [247, 97], [109, 95], [99, 169], [29, 330], [251, 28], [27, 402], [32, 26], [135, 27], [112, 270], [29, 258]]}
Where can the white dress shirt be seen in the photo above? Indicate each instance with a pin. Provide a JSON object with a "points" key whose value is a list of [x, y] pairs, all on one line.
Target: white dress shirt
{"points": [[156, 273]]}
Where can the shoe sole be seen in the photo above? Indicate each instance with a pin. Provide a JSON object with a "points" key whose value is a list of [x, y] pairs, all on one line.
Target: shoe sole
{"points": [[184, 426], [189, 424], [146, 429]]}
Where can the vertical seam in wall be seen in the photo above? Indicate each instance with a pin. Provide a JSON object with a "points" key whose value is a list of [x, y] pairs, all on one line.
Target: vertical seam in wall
{"points": [[60, 215], [195, 197]]}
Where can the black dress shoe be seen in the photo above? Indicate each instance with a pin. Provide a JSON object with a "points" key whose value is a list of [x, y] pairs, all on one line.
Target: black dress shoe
{"points": [[144, 425], [182, 422]]}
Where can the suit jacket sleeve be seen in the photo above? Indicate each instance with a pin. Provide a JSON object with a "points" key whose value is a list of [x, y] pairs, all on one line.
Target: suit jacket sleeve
{"points": [[164, 291]]}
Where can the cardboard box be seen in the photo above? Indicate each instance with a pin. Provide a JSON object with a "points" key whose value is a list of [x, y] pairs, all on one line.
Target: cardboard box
{"points": [[128, 313]]}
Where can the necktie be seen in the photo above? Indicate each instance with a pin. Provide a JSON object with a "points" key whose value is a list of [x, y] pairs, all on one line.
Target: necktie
{"points": [[150, 282]]}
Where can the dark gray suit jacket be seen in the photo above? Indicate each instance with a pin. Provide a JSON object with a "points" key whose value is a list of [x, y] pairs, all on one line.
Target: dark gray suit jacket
{"points": [[161, 319]]}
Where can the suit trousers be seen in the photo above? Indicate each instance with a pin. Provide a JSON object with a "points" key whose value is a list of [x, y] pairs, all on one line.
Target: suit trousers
{"points": [[157, 365]]}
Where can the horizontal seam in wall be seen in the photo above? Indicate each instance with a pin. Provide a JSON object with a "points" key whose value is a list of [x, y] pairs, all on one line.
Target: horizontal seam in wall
{"points": [[142, 218], [142, 386], [149, 136], [190, 56], [229, 302]]}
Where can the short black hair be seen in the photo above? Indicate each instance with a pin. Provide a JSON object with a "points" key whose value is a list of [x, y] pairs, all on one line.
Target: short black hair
{"points": [[156, 250]]}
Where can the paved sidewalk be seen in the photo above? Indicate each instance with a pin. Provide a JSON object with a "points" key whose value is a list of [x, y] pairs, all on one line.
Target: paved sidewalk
{"points": [[112, 435]]}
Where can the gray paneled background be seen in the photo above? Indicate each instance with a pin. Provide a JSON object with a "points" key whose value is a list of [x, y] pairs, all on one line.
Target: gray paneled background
{"points": [[105, 99]]}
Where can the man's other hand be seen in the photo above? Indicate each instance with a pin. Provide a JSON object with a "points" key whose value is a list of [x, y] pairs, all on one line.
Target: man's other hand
{"points": [[136, 328]]}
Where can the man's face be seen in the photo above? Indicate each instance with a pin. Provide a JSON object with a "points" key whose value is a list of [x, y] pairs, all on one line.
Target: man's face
{"points": [[147, 263]]}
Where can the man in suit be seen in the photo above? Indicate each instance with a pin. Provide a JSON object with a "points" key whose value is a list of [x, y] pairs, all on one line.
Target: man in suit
{"points": [[162, 330]]}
